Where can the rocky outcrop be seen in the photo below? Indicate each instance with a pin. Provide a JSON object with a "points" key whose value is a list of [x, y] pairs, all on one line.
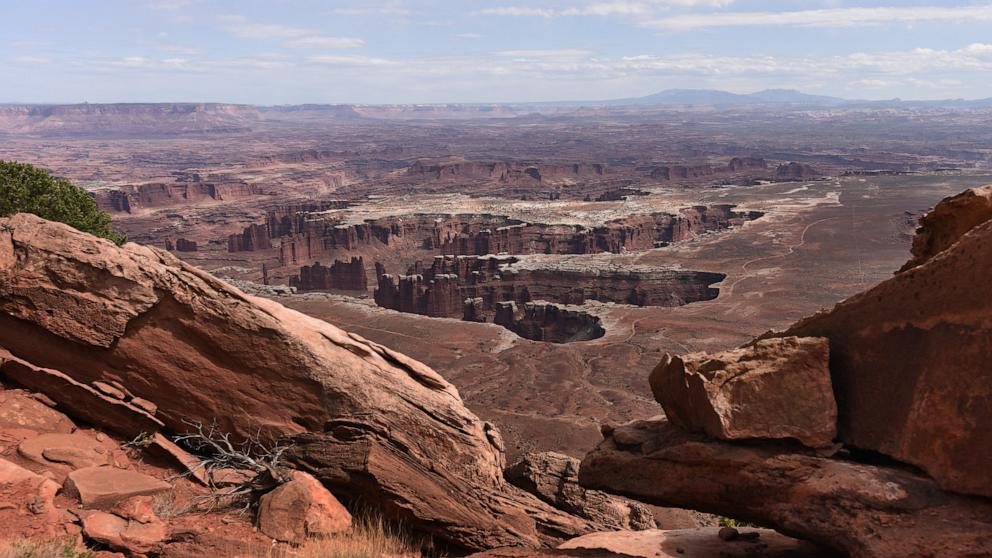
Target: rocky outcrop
{"points": [[554, 478], [314, 236], [689, 172], [504, 171], [102, 487], [301, 509], [948, 222], [486, 281], [773, 388], [711, 542], [82, 400], [182, 245], [253, 238], [707, 542], [859, 509], [28, 503], [340, 275], [104, 497], [909, 371], [370, 423], [543, 321], [909, 361], [130, 199], [795, 171]]}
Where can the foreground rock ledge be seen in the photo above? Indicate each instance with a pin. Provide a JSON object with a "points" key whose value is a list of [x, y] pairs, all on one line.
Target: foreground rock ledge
{"points": [[862, 510], [368, 422], [773, 388], [910, 361]]}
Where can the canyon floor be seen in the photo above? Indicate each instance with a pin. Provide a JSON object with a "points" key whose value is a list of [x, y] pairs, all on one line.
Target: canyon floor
{"points": [[818, 243], [470, 302], [832, 224]]}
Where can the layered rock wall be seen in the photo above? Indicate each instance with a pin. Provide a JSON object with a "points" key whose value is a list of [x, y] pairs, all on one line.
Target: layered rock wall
{"points": [[688, 172], [442, 289], [504, 171], [340, 275], [493, 234], [157, 195]]}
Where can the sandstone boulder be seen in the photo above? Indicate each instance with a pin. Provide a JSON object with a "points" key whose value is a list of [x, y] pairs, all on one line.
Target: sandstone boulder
{"points": [[909, 361], [79, 399], [370, 423], [20, 411], [773, 388], [300, 509], [861, 510], [104, 487], [554, 478], [27, 503], [65, 451], [948, 222], [696, 543], [118, 533]]}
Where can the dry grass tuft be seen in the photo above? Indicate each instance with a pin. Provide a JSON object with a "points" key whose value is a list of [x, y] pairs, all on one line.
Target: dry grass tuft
{"points": [[370, 537], [55, 548]]}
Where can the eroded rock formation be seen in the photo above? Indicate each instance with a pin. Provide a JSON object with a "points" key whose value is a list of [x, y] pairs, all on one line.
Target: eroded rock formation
{"points": [[795, 171], [554, 478], [774, 388], [526, 300], [129, 199], [543, 321], [684, 172], [504, 171], [917, 388], [346, 276], [948, 222], [370, 423], [909, 373], [319, 235], [443, 288], [862, 510]]}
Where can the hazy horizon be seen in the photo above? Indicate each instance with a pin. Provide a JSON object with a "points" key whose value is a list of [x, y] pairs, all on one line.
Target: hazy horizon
{"points": [[486, 52]]}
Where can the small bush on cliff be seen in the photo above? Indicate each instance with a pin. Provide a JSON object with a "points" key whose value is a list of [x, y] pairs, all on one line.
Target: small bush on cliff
{"points": [[25, 188]]}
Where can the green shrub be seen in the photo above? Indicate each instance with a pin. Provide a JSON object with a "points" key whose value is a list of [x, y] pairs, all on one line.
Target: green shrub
{"points": [[25, 188]]}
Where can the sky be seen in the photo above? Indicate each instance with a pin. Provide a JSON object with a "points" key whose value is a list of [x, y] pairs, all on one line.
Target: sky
{"points": [[449, 51]]}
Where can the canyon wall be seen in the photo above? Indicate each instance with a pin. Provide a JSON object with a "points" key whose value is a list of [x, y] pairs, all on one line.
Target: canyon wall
{"points": [[287, 219], [684, 172], [340, 275], [539, 321], [491, 289], [504, 171], [129, 199], [494, 234]]}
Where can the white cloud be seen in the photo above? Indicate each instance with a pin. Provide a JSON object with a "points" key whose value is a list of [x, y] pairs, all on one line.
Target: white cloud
{"points": [[468, 36], [31, 60], [517, 11], [603, 9], [170, 4], [548, 54], [834, 17], [326, 42], [351, 60], [240, 26], [390, 8]]}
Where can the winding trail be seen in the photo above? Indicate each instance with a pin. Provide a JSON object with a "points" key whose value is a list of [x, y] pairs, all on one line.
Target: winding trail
{"points": [[729, 290]]}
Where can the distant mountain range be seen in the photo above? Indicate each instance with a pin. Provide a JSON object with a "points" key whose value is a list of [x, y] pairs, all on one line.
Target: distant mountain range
{"points": [[772, 97]]}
